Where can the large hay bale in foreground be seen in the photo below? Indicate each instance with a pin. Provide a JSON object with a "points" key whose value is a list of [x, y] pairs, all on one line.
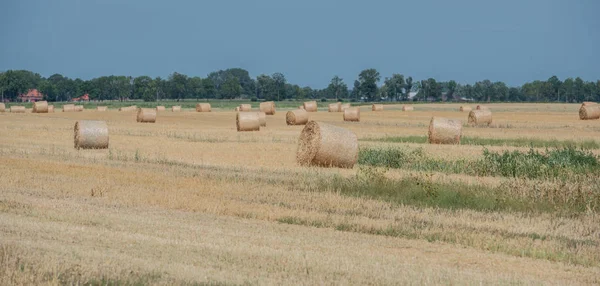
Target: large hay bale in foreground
{"points": [[268, 107], [91, 134], [407, 108], [296, 117], [377, 107], [465, 108], [262, 119], [146, 115], [40, 107], [101, 108], [50, 108], [68, 108], [334, 107], [17, 109], [247, 121], [481, 107], [480, 117], [203, 107], [176, 108], [352, 114], [444, 131], [160, 108], [344, 106], [245, 107], [2, 107], [310, 106], [327, 145], [588, 112]]}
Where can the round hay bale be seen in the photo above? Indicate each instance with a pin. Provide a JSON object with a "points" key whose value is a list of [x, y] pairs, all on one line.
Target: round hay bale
{"points": [[481, 107], [296, 117], [247, 121], [464, 108], [176, 108], [326, 145], [2, 107], [588, 103], [237, 109], [146, 115], [588, 112], [160, 108], [203, 107], [40, 107], [79, 108], [480, 117], [344, 106], [301, 107], [50, 108], [68, 108], [91, 134], [245, 107], [101, 108], [407, 108], [17, 109], [262, 119], [352, 114], [129, 108], [310, 106], [334, 107], [444, 131], [377, 107], [268, 107]]}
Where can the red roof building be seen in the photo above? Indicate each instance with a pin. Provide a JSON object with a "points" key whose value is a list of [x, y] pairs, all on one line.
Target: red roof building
{"points": [[32, 95], [85, 97]]}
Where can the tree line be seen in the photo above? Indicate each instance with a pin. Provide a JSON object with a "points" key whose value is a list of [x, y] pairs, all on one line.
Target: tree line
{"points": [[236, 83]]}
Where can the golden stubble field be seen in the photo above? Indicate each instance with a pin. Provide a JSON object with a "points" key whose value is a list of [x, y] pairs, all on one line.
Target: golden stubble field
{"points": [[189, 199]]}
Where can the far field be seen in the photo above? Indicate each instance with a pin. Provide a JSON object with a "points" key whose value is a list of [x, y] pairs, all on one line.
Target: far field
{"points": [[189, 199]]}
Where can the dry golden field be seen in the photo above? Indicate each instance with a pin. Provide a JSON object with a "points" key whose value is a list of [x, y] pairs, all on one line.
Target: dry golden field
{"points": [[189, 199]]}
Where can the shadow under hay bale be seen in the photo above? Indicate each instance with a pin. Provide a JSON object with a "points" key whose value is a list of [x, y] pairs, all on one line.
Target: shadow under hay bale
{"points": [[160, 108], [247, 121], [310, 106], [327, 145], [176, 108], [465, 109], [68, 108], [480, 117], [407, 108], [101, 108], [377, 107], [589, 112], [268, 107], [352, 114], [40, 107], [146, 115], [444, 131], [91, 134], [296, 117], [17, 109], [262, 119], [203, 107], [245, 107]]}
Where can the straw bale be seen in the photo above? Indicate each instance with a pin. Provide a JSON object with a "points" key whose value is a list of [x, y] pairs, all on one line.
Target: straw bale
{"points": [[78, 108], [326, 145], [2, 107], [40, 107], [245, 107], [588, 112], [407, 108], [129, 108], [176, 108], [296, 117], [268, 107], [301, 107], [17, 109], [444, 131], [344, 106], [160, 108], [481, 107], [588, 103], [247, 121], [68, 108], [377, 107], [203, 107], [310, 106], [50, 108], [352, 114], [480, 117], [237, 109], [101, 108], [465, 108], [262, 119], [146, 115], [335, 107], [91, 134]]}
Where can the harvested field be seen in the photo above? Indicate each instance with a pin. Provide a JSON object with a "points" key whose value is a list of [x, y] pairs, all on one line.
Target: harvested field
{"points": [[188, 199]]}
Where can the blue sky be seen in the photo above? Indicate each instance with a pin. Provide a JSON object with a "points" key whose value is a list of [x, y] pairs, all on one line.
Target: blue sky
{"points": [[308, 41]]}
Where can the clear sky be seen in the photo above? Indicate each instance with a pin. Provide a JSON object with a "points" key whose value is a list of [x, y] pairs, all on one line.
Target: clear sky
{"points": [[308, 41]]}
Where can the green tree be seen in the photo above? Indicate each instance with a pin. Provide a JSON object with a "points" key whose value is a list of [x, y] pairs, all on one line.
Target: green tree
{"points": [[337, 88], [178, 84], [144, 88], [279, 82], [368, 83], [231, 88]]}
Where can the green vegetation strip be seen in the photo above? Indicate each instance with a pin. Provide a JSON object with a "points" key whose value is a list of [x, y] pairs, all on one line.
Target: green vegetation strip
{"points": [[516, 142]]}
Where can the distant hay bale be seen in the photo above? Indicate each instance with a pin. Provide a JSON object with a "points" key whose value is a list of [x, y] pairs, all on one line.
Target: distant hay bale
{"points": [[334, 107], [352, 114], [129, 108], [480, 117], [2, 107], [176, 108], [17, 109], [588, 112], [407, 108], [245, 107], [247, 121], [588, 103], [268, 107], [79, 108], [237, 109], [203, 107], [160, 108], [464, 108], [481, 107], [327, 145], [68, 108], [344, 106], [50, 108], [301, 107], [296, 117], [377, 107], [262, 119], [444, 131], [91, 134], [40, 107], [310, 106], [101, 108], [146, 115]]}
